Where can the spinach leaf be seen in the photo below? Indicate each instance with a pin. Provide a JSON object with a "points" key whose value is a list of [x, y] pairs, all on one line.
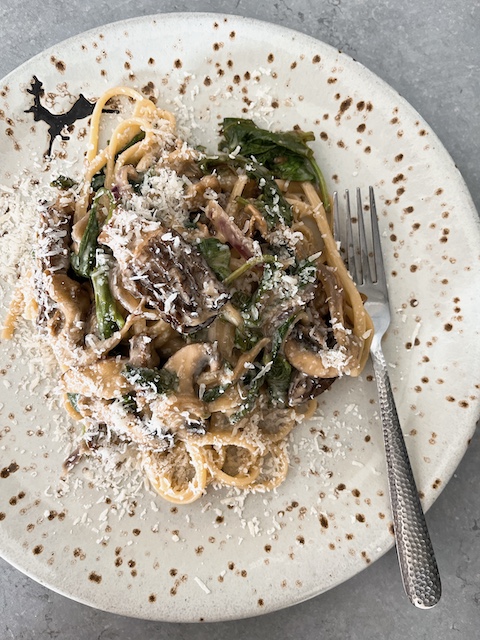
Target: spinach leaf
{"points": [[129, 403], [98, 180], [215, 392], [247, 406], [63, 182], [140, 136], [159, 380], [217, 256], [285, 153], [73, 399], [83, 262], [109, 318], [278, 379]]}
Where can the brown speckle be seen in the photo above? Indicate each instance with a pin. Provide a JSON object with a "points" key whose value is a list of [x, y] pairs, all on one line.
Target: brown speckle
{"points": [[59, 64], [95, 577], [208, 81], [448, 326], [398, 178], [422, 132], [231, 566], [324, 135], [3, 516], [323, 521], [355, 493], [178, 63], [6, 471], [232, 34], [151, 61], [464, 404], [344, 105], [361, 127], [360, 105], [260, 602], [436, 484], [300, 540], [332, 80], [270, 57], [38, 549], [360, 517], [367, 149], [268, 548], [152, 597]]}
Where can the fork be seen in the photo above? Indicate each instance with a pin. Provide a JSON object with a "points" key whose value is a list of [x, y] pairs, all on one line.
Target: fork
{"points": [[420, 575]]}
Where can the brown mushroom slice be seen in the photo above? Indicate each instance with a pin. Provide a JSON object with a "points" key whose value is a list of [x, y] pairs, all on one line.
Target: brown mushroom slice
{"points": [[326, 363], [142, 352], [173, 278], [102, 379], [73, 301], [187, 363], [303, 388], [54, 235]]}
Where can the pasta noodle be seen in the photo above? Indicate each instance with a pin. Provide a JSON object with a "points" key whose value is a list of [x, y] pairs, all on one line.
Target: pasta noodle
{"points": [[197, 305]]}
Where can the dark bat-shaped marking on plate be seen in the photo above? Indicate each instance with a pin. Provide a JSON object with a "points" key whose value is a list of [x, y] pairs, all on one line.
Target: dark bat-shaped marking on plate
{"points": [[80, 109]]}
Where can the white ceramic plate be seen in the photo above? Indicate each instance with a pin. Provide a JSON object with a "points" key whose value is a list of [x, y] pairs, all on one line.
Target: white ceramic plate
{"points": [[211, 560]]}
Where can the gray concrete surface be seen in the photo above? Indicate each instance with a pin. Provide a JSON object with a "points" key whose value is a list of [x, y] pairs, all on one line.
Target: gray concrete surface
{"points": [[429, 51]]}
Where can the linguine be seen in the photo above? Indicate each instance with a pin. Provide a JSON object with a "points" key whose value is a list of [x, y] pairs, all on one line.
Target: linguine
{"points": [[196, 305]]}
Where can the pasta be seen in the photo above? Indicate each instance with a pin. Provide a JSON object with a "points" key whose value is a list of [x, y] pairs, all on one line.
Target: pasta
{"points": [[196, 305]]}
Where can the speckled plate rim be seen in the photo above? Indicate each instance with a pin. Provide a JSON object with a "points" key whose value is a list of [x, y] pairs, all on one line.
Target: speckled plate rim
{"points": [[471, 219]]}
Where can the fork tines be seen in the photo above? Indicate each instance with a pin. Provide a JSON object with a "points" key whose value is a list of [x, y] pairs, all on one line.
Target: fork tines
{"points": [[362, 251]]}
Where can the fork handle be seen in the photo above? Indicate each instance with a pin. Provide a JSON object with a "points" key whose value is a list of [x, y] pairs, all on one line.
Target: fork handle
{"points": [[418, 566]]}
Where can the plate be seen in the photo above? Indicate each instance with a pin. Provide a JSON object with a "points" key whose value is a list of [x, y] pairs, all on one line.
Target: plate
{"points": [[115, 546]]}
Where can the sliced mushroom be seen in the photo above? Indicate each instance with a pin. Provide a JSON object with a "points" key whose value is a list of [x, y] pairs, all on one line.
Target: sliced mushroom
{"points": [[142, 352], [187, 363], [173, 278], [303, 388]]}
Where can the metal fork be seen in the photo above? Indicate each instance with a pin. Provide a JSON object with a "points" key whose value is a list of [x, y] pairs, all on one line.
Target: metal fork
{"points": [[418, 566]]}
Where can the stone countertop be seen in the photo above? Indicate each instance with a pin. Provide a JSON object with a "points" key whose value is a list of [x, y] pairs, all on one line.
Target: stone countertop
{"points": [[428, 51]]}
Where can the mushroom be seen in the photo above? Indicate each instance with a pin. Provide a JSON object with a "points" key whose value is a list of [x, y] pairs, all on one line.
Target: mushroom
{"points": [[303, 388], [142, 352], [173, 278], [187, 363]]}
